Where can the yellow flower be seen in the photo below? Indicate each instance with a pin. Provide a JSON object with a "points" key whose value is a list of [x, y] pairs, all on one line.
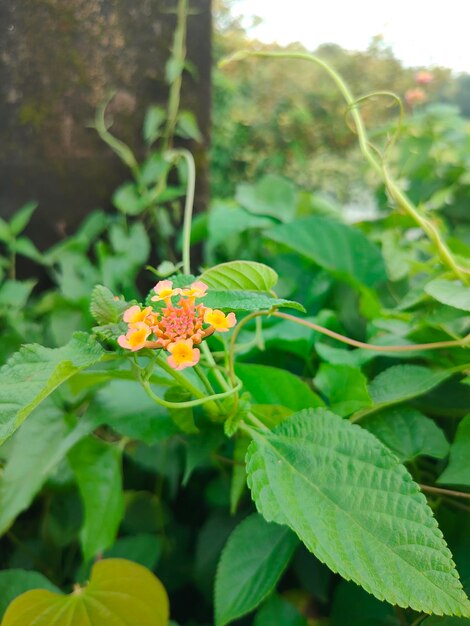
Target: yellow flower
{"points": [[135, 314], [183, 354], [136, 337], [218, 320], [164, 290]]}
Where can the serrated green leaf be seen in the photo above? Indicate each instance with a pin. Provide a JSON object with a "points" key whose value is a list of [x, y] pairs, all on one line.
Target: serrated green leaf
{"points": [[119, 592], [458, 470], [32, 374], [97, 469], [104, 307], [344, 386], [272, 195], [356, 508], [14, 582], [21, 218], [240, 275], [272, 385], [408, 433], [449, 292], [37, 449], [246, 301], [251, 564], [403, 382], [342, 250]]}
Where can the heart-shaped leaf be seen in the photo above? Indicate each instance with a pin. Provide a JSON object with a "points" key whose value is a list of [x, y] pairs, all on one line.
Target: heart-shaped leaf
{"points": [[119, 592]]}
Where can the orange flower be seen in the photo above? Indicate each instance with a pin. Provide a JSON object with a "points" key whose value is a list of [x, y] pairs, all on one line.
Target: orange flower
{"points": [[415, 96], [219, 321], [183, 354], [136, 337], [164, 290]]}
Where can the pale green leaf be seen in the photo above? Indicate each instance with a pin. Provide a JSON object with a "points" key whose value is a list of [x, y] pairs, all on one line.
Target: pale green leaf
{"points": [[240, 275], [449, 292], [271, 195], [119, 592], [154, 118], [226, 221], [36, 451], [458, 470], [247, 301], [187, 126], [14, 582], [356, 508], [32, 374], [251, 564], [342, 250], [104, 306], [272, 385], [97, 468], [408, 433], [344, 386]]}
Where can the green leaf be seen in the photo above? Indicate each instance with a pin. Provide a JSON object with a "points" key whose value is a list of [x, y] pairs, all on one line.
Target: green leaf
{"points": [[354, 607], [183, 418], [344, 386], [356, 508], [36, 451], [32, 374], [458, 470], [408, 433], [104, 307], [449, 292], [226, 221], [271, 195], [119, 592], [154, 118], [187, 126], [272, 385], [128, 200], [14, 582], [97, 468], [15, 293], [403, 382], [251, 564], [21, 218], [25, 247], [5, 232], [246, 301], [240, 275], [342, 250], [143, 548], [445, 621], [126, 408], [279, 611]]}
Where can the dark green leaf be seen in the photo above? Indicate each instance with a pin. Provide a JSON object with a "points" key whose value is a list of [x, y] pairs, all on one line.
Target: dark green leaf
{"points": [[408, 433], [458, 470], [97, 468], [251, 564], [271, 385], [340, 249], [247, 301], [279, 611], [344, 386]]}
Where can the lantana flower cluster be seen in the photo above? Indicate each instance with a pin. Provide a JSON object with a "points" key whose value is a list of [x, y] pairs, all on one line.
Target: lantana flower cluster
{"points": [[176, 329]]}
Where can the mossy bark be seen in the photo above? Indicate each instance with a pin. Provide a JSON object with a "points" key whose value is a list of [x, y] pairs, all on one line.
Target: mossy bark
{"points": [[59, 61]]}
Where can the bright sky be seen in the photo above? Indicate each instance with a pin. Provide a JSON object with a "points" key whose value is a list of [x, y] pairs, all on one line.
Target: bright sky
{"points": [[421, 32]]}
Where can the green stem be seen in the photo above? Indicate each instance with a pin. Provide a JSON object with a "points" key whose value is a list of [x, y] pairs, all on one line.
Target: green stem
{"points": [[179, 56], [180, 378], [205, 381], [188, 403], [398, 196]]}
